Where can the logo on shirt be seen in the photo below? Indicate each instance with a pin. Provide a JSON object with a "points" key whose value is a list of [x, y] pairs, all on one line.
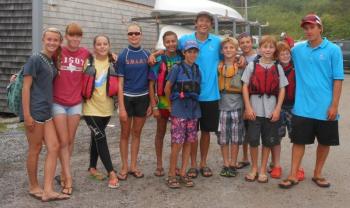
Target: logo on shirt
{"points": [[72, 64], [101, 79], [322, 57]]}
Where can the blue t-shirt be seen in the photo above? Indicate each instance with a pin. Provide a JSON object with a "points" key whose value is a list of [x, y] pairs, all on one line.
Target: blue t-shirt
{"points": [[208, 61], [132, 64], [315, 70], [187, 108]]}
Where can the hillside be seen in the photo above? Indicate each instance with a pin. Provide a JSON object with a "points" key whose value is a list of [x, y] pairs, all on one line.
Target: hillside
{"points": [[285, 15]]}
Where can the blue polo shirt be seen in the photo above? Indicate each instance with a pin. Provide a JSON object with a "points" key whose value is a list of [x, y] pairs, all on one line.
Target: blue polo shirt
{"points": [[316, 69], [207, 60]]}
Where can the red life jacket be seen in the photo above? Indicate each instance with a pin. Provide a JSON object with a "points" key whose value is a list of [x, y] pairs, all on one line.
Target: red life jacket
{"points": [[89, 76], [162, 75], [290, 88], [264, 81]]}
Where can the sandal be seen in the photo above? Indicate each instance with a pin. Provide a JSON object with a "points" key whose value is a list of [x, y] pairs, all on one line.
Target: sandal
{"points": [[276, 172], [242, 164], [113, 183], [122, 176], [186, 181], [251, 177], [192, 172], [262, 178], [57, 197], [59, 180], [67, 190], [98, 176], [172, 182], [36, 195], [137, 174], [159, 172], [321, 182], [288, 183], [206, 172]]}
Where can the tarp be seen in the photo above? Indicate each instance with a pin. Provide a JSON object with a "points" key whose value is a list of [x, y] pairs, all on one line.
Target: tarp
{"points": [[180, 31], [171, 7]]}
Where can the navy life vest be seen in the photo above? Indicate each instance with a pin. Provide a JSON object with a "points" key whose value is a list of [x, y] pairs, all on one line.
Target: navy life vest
{"points": [[162, 75], [89, 76], [188, 88], [290, 88], [264, 81]]}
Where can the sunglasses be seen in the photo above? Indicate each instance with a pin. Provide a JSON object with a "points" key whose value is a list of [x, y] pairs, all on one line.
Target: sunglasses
{"points": [[134, 33]]}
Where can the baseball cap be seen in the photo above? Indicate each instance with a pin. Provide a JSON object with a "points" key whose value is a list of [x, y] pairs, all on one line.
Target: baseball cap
{"points": [[207, 14], [190, 44], [311, 19]]}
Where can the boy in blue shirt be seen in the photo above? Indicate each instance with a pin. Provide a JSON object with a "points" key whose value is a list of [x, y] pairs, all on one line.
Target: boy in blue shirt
{"points": [[319, 74], [182, 89]]}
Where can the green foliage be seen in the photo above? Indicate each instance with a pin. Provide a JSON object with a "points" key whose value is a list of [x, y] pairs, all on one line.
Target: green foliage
{"points": [[285, 15]]}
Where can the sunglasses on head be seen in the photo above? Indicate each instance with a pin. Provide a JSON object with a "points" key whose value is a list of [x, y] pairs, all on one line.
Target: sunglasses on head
{"points": [[134, 33]]}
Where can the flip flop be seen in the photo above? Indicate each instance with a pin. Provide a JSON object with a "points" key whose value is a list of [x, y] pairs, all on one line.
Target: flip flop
{"points": [[242, 164], [318, 182], [262, 178], [192, 172], [206, 172], [251, 177], [122, 177], [36, 195], [113, 184], [159, 172], [136, 174], [58, 197], [173, 183], [290, 183]]}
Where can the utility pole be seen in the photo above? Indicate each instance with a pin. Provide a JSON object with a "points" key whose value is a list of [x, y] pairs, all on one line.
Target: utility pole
{"points": [[247, 26]]}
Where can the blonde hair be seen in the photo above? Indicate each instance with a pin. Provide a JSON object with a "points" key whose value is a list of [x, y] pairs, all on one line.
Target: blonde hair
{"points": [[59, 49], [231, 40], [134, 24]]}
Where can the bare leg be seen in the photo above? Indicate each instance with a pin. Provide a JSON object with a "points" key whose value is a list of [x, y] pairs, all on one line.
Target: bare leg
{"points": [[297, 155], [254, 157], [53, 146], [194, 149], [264, 159], [35, 140], [124, 144], [175, 149], [204, 147], [276, 155], [136, 130], [245, 153], [225, 153], [234, 154], [158, 141], [321, 157], [186, 150]]}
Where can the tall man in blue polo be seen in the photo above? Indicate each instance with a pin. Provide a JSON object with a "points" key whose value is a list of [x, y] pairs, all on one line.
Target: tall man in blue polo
{"points": [[319, 75], [208, 60]]}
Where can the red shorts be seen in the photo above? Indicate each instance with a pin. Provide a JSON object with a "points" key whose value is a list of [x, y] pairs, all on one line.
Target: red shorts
{"points": [[164, 113]]}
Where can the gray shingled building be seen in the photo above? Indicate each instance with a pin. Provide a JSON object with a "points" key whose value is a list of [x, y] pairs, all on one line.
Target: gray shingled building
{"points": [[22, 22]]}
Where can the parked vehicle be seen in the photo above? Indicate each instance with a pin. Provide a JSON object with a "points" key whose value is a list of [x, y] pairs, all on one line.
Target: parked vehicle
{"points": [[345, 47]]}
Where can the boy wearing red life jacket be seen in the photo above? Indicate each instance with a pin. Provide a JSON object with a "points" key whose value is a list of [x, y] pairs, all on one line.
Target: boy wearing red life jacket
{"points": [[263, 95], [284, 58]]}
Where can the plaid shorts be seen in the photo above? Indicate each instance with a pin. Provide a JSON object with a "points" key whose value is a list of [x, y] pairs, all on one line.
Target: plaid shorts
{"points": [[286, 122], [231, 127], [183, 130]]}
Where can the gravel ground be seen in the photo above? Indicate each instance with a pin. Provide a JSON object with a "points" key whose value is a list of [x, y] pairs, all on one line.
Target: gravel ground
{"points": [[151, 191]]}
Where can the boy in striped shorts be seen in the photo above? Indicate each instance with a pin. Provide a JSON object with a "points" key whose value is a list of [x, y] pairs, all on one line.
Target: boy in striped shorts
{"points": [[231, 128]]}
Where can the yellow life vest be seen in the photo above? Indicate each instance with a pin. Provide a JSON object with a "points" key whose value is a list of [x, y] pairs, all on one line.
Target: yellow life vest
{"points": [[230, 78]]}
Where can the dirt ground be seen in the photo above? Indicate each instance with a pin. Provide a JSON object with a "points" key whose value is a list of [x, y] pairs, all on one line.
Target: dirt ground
{"points": [[151, 191]]}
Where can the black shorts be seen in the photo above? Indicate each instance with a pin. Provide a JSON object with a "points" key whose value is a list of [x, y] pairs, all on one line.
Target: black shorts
{"points": [[209, 121], [136, 106], [305, 130], [266, 129]]}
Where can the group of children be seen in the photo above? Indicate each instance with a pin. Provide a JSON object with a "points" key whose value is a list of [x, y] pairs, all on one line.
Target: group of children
{"points": [[255, 103]]}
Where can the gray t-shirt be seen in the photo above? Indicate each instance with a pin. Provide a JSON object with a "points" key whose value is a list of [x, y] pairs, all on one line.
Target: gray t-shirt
{"points": [[264, 105], [230, 102], [41, 91], [250, 58]]}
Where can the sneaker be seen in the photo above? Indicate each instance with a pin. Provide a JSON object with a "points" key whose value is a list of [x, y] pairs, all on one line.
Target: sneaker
{"points": [[276, 172], [301, 174]]}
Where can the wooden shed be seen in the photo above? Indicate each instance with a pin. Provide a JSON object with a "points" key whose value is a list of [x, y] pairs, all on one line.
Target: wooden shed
{"points": [[22, 23]]}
